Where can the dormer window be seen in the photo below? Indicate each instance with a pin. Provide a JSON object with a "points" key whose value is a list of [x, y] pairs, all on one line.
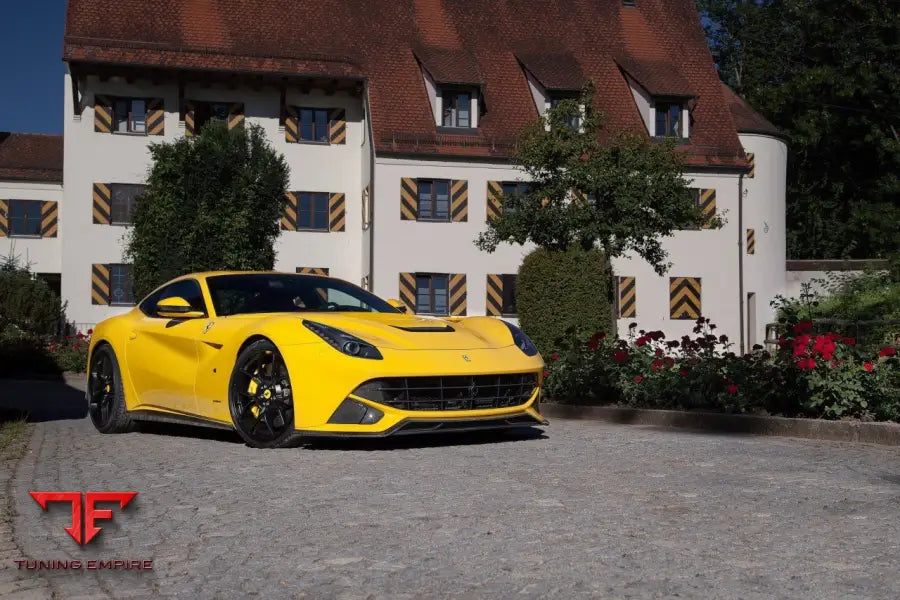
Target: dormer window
{"points": [[456, 108], [669, 117], [573, 121]]}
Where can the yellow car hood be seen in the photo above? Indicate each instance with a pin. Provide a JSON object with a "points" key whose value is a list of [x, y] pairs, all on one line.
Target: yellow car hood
{"points": [[412, 332]]}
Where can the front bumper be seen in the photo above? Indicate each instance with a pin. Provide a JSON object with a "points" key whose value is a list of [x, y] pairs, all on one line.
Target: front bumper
{"points": [[322, 378]]}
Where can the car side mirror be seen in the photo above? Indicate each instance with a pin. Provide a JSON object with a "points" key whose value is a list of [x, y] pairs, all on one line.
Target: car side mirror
{"points": [[176, 307], [398, 305]]}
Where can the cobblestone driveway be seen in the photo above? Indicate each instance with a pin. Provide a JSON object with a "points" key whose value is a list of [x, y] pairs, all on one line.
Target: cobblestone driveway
{"points": [[589, 510]]}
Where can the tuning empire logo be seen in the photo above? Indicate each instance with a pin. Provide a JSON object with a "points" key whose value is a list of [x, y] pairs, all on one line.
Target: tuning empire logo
{"points": [[84, 529]]}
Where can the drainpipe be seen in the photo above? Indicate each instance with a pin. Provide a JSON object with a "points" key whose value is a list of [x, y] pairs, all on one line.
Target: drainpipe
{"points": [[740, 247], [371, 207]]}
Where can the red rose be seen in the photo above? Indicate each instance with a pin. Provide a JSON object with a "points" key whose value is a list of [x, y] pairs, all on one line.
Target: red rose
{"points": [[640, 341], [889, 351], [849, 341], [656, 365], [90, 331], [732, 389], [658, 353], [620, 356], [670, 362], [554, 356], [723, 338], [683, 372], [802, 326], [868, 366], [79, 335], [782, 343], [546, 373], [595, 340], [76, 345], [639, 379]]}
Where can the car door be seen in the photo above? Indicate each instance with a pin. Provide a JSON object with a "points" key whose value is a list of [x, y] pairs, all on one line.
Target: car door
{"points": [[162, 352]]}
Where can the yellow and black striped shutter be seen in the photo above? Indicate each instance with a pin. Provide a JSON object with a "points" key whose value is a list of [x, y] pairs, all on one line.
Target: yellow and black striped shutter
{"points": [[103, 114], [291, 125], [337, 126], [408, 291], [751, 241], [102, 204], [313, 270], [494, 301], [156, 116], [708, 206], [99, 284], [4, 220], [458, 294], [751, 158], [49, 219], [289, 212], [459, 200], [190, 113], [494, 199], [337, 211], [684, 298], [627, 298], [409, 199], [235, 114]]}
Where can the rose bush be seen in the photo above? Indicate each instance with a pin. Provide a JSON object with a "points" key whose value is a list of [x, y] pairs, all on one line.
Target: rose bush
{"points": [[825, 375]]}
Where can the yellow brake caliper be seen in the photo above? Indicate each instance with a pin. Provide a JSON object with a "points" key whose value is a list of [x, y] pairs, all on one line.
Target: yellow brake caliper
{"points": [[251, 389]]}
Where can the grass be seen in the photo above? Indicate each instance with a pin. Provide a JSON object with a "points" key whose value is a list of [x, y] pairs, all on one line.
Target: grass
{"points": [[10, 430]]}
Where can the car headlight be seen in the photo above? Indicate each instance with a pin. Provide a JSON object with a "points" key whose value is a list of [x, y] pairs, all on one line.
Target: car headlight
{"points": [[344, 342], [521, 340]]}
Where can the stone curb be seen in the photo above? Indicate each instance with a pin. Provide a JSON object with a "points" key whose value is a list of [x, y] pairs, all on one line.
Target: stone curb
{"points": [[813, 429]]}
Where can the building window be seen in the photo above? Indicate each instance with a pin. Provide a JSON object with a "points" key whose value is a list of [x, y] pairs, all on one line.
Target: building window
{"points": [[668, 119], [510, 189], [573, 121], [508, 308], [314, 125], [312, 211], [457, 109], [25, 218], [121, 284], [130, 115], [434, 200], [206, 112], [122, 202], [432, 293]]}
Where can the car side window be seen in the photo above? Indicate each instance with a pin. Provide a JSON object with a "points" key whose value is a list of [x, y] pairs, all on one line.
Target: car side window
{"points": [[188, 289]]}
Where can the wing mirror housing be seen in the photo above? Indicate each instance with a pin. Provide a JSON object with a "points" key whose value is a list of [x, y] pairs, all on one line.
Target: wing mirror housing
{"points": [[176, 307], [398, 305]]}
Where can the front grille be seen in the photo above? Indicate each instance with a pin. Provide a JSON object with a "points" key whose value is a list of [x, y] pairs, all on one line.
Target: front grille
{"points": [[451, 392]]}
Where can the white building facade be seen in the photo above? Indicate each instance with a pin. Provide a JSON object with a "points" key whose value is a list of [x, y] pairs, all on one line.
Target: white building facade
{"points": [[396, 204]]}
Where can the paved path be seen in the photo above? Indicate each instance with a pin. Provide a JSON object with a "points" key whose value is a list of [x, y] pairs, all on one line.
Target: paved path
{"points": [[589, 510]]}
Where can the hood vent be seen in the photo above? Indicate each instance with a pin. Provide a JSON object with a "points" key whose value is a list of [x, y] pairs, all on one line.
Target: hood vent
{"points": [[426, 329]]}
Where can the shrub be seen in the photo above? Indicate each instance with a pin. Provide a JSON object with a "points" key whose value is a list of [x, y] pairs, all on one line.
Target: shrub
{"points": [[559, 294], [71, 353], [25, 356], [27, 303]]}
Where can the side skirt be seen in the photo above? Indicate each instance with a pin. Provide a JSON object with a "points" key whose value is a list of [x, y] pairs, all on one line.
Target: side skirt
{"points": [[158, 417]]}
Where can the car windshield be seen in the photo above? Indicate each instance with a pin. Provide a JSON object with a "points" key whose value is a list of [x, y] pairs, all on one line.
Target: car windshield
{"points": [[273, 292]]}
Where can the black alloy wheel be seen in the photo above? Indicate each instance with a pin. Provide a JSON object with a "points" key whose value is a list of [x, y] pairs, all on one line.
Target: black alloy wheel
{"points": [[260, 397], [106, 398]]}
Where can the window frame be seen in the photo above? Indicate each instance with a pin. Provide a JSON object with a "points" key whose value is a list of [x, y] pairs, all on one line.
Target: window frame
{"points": [[431, 294], [504, 208], [26, 218], [314, 140], [313, 196], [433, 200], [129, 276], [452, 110], [129, 120], [505, 278], [112, 201], [669, 104], [577, 125], [206, 106]]}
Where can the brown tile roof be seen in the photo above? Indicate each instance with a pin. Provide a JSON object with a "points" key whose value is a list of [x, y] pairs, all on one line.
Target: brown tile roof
{"points": [[746, 119], [463, 40], [554, 70], [31, 157]]}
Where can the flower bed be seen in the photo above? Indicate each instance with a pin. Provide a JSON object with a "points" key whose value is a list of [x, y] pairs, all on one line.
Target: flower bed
{"points": [[825, 376], [26, 356]]}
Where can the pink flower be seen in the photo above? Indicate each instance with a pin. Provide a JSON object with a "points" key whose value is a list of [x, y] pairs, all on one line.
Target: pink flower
{"points": [[639, 379], [732, 389]]}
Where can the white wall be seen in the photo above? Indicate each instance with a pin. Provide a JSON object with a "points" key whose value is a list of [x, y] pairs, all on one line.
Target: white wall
{"points": [[43, 255], [643, 102], [92, 157]]}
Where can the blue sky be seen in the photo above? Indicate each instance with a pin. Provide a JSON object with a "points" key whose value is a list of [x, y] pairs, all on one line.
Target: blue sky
{"points": [[31, 70]]}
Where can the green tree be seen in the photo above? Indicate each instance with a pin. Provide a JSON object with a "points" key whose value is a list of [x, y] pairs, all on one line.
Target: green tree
{"points": [[27, 304], [621, 193], [826, 73], [213, 202]]}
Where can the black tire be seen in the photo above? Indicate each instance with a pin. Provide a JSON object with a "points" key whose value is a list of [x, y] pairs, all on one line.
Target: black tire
{"points": [[105, 395], [260, 397]]}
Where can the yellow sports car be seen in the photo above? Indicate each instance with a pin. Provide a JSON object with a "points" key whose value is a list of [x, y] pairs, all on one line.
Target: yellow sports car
{"points": [[278, 357]]}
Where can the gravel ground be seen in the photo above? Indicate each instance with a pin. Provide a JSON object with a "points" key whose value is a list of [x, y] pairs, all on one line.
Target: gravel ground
{"points": [[584, 510]]}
